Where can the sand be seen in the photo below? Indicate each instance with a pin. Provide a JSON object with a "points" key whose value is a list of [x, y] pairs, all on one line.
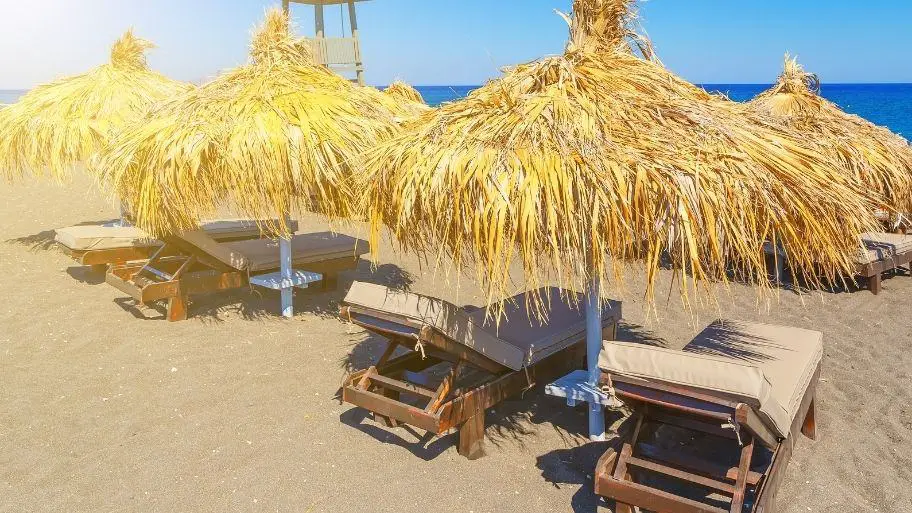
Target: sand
{"points": [[106, 407]]}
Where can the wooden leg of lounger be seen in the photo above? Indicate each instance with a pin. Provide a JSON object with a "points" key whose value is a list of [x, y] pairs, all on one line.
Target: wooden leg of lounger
{"points": [[874, 283], [620, 507], [747, 453], [330, 281], [177, 308], [471, 437], [809, 428]]}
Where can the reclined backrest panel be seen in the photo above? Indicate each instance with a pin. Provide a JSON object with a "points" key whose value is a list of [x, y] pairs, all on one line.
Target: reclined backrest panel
{"points": [[221, 229], [788, 356], [96, 237], [214, 249], [712, 375], [882, 246], [450, 320], [263, 254], [565, 324]]}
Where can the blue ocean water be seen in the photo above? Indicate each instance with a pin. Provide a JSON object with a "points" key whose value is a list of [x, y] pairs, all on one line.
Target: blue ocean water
{"points": [[888, 105]]}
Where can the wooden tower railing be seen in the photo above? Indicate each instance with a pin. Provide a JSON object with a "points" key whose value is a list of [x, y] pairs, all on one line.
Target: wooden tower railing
{"points": [[338, 53]]}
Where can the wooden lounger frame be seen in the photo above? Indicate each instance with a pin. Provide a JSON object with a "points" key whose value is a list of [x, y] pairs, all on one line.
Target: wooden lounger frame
{"points": [[670, 405], [451, 405], [100, 259], [873, 272], [177, 271]]}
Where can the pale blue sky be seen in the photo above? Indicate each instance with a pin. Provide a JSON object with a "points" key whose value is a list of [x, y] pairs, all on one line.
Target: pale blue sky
{"points": [[430, 42]]}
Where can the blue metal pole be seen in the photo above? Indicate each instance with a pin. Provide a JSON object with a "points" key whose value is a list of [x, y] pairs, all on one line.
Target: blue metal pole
{"points": [[593, 347], [287, 288]]}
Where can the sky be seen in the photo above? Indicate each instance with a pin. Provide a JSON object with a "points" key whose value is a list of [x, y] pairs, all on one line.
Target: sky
{"points": [[431, 42]]}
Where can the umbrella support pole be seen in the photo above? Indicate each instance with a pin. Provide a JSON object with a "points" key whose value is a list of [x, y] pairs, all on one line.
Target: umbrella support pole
{"points": [[593, 347], [287, 271], [123, 216], [582, 386]]}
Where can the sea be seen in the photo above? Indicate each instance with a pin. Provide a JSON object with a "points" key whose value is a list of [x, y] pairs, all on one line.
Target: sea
{"points": [[888, 105]]}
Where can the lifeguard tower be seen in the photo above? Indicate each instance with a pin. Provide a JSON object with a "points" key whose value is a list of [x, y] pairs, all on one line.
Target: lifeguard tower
{"points": [[341, 54]]}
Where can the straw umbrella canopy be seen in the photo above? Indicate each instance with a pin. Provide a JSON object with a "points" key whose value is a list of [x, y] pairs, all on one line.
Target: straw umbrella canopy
{"points": [[579, 163], [55, 128], [404, 91], [881, 159], [410, 101], [278, 134]]}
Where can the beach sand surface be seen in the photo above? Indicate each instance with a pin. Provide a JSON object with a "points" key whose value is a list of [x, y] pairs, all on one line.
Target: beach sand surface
{"points": [[104, 406]]}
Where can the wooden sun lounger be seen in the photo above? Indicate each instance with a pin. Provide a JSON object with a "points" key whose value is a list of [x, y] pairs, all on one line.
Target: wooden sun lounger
{"points": [[480, 364], [195, 264], [761, 367], [101, 246], [885, 252]]}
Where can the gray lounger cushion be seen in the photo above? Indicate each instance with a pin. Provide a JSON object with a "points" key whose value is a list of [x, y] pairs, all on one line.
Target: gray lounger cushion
{"points": [[883, 246], [260, 255], [764, 366], [519, 340], [97, 237]]}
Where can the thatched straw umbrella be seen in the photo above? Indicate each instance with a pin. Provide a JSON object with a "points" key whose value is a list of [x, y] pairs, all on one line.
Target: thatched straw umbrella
{"points": [[881, 159], [276, 135], [402, 90], [409, 99], [55, 128], [578, 164]]}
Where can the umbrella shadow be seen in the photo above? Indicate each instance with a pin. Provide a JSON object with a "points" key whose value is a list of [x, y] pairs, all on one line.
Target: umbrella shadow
{"points": [[426, 446], [630, 332], [255, 304], [45, 239], [575, 466], [730, 339], [87, 274]]}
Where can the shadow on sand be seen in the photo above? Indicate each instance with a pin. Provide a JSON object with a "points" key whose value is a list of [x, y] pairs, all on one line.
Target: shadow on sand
{"points": [[255, 303], [513, 421]]}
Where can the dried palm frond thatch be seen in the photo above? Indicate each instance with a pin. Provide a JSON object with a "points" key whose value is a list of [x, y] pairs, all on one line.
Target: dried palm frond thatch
{"points": [[881, 159], [55, 128], [277, 134], [403, 91], [579, 163], [410, 102]]}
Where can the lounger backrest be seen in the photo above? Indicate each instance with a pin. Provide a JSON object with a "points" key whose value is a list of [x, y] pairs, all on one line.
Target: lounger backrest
{"points": [[883, 246], [95, 237], [221, 229], [448, 319], [520, 339], [538, 339], [221, 252], [711, 375]]}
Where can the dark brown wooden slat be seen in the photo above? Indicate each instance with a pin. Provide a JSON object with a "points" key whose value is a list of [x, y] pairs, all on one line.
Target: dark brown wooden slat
{"points": [[680, 474], [400, 386], [391, 408], [692, 424], [651, 498], [698, 466]]}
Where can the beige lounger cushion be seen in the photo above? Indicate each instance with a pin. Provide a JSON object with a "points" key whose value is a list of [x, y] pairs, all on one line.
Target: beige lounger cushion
{"points": [[263, 254], [883, 246], [520, 340], [97, 237], [767, 367]]}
